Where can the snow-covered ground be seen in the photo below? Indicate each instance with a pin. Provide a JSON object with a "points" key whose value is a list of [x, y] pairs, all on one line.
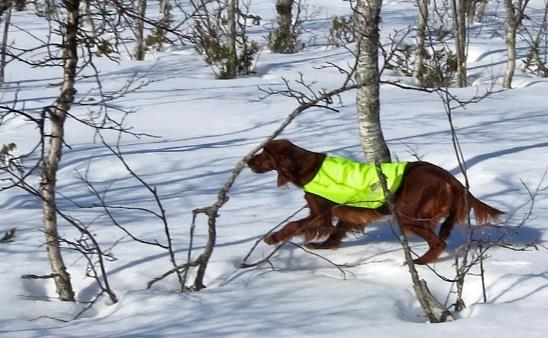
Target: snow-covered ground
{"points": [[205, 126]]}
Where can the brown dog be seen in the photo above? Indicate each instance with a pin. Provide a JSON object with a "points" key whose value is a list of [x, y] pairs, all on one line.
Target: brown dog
{"points": [[427, 194]]}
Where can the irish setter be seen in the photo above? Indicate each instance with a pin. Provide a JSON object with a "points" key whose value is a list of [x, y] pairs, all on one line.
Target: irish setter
{"points": [[427, 195]]}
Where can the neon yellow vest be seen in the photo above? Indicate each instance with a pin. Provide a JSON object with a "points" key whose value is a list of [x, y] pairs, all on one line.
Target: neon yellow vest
{"points": [[355, 184]]}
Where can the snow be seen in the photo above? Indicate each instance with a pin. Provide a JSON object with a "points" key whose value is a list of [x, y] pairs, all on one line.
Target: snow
{"points": [[204, 127]]}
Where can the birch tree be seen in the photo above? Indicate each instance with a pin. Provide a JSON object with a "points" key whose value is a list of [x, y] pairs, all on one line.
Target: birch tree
{"points": [[139, 24], [514, 17], [422, 24], [232, 63], [50, 164], [459, 31], [367, 18], [76, 49], [5, 7]]}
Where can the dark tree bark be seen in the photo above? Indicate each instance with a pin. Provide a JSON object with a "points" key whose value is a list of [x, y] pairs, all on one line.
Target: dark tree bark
{"points": [[20, 5]]}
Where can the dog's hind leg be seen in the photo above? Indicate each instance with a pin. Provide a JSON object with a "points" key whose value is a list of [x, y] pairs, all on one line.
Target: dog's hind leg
{"points": [[447, 226], [436, 245]]}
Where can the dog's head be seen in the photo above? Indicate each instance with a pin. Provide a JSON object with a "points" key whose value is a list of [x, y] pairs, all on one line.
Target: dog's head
{"points": [[292, 163], [277, 155]]}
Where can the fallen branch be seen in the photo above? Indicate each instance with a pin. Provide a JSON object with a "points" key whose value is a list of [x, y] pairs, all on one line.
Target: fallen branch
{"points": [[31, 276], [9, 236]]}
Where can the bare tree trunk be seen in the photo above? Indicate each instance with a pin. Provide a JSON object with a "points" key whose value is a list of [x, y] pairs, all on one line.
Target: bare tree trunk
{"points": [[367, 18], [50, 165], [422, 25], [511, 30], [459, 30], [232, 63], [475, 10], [140, 10], [514, 15], [7, 21], [88, 18]]}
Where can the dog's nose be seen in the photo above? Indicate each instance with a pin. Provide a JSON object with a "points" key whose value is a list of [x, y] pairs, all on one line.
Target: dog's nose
{"points": [[251, 163]]}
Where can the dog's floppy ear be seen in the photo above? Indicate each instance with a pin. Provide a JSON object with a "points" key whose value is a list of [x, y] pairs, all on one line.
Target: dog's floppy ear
{"points": [[284, 161], [286, 170]]}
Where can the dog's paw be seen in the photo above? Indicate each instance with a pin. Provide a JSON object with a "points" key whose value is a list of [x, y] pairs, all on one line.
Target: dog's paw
{"points": [[420, 261], [313, 245], [415, 262], [319, 245], [271, 239]]}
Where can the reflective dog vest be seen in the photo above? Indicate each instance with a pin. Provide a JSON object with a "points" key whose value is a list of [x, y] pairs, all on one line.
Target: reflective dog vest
{"points": [[355, 184]]}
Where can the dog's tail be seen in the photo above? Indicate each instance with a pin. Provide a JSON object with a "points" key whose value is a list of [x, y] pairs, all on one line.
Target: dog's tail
{"points": [[483, 212]]}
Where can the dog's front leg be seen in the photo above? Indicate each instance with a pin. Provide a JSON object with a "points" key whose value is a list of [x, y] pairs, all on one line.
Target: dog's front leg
{"points": [[287, 232], [316, 224]]}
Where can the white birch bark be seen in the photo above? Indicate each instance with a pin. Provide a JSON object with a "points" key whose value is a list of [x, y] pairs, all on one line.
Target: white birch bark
{"points": [[139, 27], [514, 15], [367, 18], [459, 30], [232, 62], [50, 163], [7, 21], [422, 24]]}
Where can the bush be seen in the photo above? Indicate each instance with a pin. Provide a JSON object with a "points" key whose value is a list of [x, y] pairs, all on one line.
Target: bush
{"points": [[440, 66], [341, 32], [158, 36], [282, 42], [534, 63], [214, 48], [6, 154]]}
